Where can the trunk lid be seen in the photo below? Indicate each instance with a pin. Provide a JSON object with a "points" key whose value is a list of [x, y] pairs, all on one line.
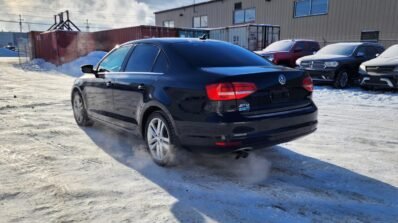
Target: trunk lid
{"points": [[278, 88]]}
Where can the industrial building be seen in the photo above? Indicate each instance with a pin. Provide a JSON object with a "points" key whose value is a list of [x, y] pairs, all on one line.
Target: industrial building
{"points": [[327, 21]]}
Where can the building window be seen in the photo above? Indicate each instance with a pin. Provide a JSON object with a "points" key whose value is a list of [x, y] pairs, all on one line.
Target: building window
{"points": [[245, 16], [370, 36], [168, 23], [310, 7], [238, 6], [200, 21]]}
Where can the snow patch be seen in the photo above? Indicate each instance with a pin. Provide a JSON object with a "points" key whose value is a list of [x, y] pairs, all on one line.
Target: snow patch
{"points": [[71, 68]]}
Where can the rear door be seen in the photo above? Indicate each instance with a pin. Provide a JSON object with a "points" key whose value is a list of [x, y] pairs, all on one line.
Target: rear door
{"points": [[99, 92], [132, 86]]}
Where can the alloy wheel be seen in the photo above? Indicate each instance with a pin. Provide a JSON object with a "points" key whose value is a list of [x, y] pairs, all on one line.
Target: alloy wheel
{"points": [[158, 139], [78, 108]]}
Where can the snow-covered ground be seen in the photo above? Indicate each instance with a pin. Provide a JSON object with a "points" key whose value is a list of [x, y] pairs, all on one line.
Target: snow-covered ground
{"points": [[53, 171]]}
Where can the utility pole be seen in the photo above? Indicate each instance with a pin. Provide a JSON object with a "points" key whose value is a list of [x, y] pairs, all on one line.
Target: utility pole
{"points": [[87, 26], [20, 23]]}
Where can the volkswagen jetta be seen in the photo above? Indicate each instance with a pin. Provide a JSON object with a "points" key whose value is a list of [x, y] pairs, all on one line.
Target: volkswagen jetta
{"points": [[201, 95]]}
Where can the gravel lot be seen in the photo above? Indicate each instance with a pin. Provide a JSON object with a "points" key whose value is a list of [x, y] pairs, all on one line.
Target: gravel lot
{"points": [[54, 171]]}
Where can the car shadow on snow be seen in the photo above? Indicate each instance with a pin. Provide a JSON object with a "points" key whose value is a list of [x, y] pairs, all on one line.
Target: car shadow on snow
{"points": [[295, 188]]}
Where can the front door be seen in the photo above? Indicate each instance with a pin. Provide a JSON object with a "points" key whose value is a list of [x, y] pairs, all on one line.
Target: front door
{"points": [[99, 90], [132, 88]]}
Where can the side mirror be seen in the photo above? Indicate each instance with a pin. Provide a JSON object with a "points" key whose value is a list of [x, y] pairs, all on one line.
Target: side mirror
{"points": [[361, 54], [88, 69], [378, 54]]}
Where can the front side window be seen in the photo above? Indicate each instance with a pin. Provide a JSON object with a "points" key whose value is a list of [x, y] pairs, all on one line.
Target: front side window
{"points": [[200, 21], [114, 61], [310, 7], [142, 58], [244, 16]]}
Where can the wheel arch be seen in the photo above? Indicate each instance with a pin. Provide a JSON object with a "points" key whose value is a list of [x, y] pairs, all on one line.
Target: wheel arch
{"points": [[148, 109], [75, 89]]}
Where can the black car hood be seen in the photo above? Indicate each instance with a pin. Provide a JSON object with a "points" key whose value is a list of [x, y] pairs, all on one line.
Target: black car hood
{"points": [[323, 57]]}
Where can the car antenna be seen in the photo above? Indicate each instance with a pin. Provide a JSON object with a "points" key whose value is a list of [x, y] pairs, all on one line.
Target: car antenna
{"points": [[203, 37]]}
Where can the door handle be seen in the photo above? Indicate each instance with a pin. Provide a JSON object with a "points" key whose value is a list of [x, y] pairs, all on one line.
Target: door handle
{"points": [[108, 83], [141, 87]]}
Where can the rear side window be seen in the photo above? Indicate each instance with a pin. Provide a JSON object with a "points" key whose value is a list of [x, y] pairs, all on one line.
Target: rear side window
{"points": [[313, 46], [114, 61], [300, 45], [217, 54], [142, 58], [372, 51], [161, 64]]}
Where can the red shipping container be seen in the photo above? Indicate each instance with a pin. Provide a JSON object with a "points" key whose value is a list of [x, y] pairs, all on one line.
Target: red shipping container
{"points": [[59, 47]]}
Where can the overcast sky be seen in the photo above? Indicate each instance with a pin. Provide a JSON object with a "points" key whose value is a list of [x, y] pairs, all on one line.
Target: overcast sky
{"points": [[101, 14]]}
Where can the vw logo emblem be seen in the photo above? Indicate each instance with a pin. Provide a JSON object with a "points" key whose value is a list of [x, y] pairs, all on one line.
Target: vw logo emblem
{"points": [[282, 79]]}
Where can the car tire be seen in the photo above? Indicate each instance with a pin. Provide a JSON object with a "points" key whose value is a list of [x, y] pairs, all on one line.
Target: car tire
{"points": [[342, 79], [161, 140], [79, 110]]}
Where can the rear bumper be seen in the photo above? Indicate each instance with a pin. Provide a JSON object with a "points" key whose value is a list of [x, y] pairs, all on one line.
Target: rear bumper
{"points": [[380, 81], [250, 132]]}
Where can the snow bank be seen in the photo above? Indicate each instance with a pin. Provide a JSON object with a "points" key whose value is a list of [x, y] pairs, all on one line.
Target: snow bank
{"points": [[7, 53], [71, 68]]}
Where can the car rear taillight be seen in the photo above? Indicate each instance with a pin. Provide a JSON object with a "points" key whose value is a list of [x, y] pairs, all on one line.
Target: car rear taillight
{"points": [[228, 144], [230, 91], [308, 84]]}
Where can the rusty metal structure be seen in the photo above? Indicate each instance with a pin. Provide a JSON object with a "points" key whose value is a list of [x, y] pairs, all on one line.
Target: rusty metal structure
{"points": [[62, 24]]}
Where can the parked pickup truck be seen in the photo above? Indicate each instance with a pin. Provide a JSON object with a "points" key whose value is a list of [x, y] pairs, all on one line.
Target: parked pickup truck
{"points": [[286, 52]]}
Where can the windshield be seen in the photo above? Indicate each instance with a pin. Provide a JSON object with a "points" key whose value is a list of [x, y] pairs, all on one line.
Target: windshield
{"points": [[284, 45], [338, 49], [217, 54], [390, 52]]}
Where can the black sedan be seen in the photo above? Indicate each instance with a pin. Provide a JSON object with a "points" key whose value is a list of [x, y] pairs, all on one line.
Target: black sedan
{"points": [[338, 64], [202, 95]]}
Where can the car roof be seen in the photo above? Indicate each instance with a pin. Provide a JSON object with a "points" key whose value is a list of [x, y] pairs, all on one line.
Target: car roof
{"points": [[167, 41], [299, 40]]}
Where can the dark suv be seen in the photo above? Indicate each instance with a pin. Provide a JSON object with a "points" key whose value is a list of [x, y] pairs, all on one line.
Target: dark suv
{"points": [[286, 52], [203, 95], [338, 64]]}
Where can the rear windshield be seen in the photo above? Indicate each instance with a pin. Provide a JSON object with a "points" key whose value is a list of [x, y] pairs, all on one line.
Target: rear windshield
{"points": [[390, 52], [284, 45], [338, 49], [217, 54]]}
